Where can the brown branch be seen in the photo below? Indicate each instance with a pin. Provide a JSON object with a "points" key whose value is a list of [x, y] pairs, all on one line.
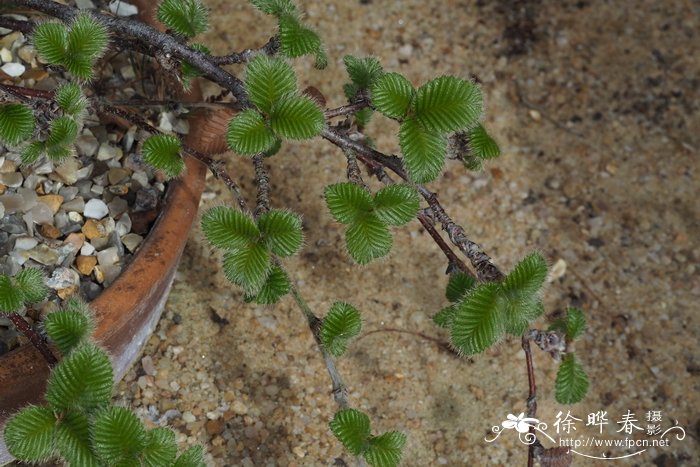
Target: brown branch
{"points": [[23, 326], [262, 180], [346, 109], [271, 48], [532, 395]]}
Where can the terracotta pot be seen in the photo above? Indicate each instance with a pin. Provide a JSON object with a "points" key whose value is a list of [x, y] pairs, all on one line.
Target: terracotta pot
{"points": [[128, 310]]}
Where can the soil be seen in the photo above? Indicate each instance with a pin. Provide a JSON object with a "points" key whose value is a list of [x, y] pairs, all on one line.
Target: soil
{"points": [[595, 107]]}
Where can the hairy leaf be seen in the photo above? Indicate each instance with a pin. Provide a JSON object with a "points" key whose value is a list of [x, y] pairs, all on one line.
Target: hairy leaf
{"points": [[351, 427], [522, 285], [229, 228], [347, 202], [248, 267], [70, 98], [11, 299], [82, 380], [448, 104], [248, 133], [276, 286], [392, 95], [296, 117], [363, 71], [445, 317], [275, 7], [32, 152], [424, 151], [68, 328], [367, 239], [186, 17], [58, 152], [519, 315], [281, 232], [64, 131], [30, 283], [163, 153], [385, 450], [459, 285], [50, 41], [160, 448], [396, 204], [16, 123], [192, 457], [572, 326], [73, 440], [571, 384], [482, 144], [296, 39], [341, 324], [29, 434], [477, 324], [269, 79], [118, 436], [86, 41]]}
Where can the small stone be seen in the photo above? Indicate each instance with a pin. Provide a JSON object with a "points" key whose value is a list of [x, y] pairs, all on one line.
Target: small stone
{"points": [[8, 166], [123, 226], [148, 367], [5, 55], [25, 243], [44, 255], [50, 231], [12, 180], [86, 145], [299, 451], [239, 407], [116, 175], [214, 427], [117, 206], [41, 214], [107, 152], [77, 204], [558, 270], [75, 217], [95, 209], [85, 264], [127, 72], [75, 240], [132, 241], [108, 257], [13, 69], [146, 199], [68, 171], [27, 53], [93, 229], [63, 278], [84, 4], [99, 274], [535, 115], [87, 249], [52, 201], [187, 417], [68, 292]]}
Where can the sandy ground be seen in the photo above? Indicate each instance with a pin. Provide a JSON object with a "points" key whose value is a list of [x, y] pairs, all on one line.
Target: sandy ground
{"points": [[595, 105]]}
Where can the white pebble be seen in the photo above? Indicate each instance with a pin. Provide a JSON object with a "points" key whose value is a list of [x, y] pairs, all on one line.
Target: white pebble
{"points": [[119, 8], [187, 417], [13, 69], [87, 249], [5, 55], [95, 209]]}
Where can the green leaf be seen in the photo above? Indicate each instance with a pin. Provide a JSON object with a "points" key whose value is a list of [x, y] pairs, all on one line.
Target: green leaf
{"points": [[73, 440], [229, 228], [448, 104], [296, 117], [192, 457], [478, 323], [519, 315], [276, 286], [341, 324], [281, 232], [424, 151], [573, 325], [445, 317], [296, 39], [522, 285], [186, 17], [351, 427], [275, 7], [571, 384], [118, 436], [58, 152], [32, 152], [69, 328], [85, 43], [269, 79], [30, 283], [363, 71], [16, 123], [160, 449], [248, 134], [11, 299], [50, 41], [248, 267], [163, 153], [29, 434], [392, 95], [69, 97], [459, 285], [82, 380], [482, 144], [368, 239], [363, 117], [347, 202], [64, 131], [385, 450], [396, 204]]}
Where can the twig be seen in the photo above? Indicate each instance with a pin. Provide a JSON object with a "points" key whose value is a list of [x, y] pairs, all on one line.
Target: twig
{"points": [[24, 27], [346, 109], [271, 48], [262, 180], [532, 396], [453, 261], [34, 337], [353, 171], [441, 344]]}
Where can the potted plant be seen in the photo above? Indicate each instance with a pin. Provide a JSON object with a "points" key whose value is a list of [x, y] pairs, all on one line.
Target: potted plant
{"points": [[436, 120]]}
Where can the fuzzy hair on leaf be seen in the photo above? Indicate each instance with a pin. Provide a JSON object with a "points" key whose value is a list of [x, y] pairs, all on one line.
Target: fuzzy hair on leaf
{"points": [[571, 384], [342, 323], [16, 123], [70, 327], [351, 428], [118, 436], [192, 457], [163, 153], [281, 232], [29, 434], [249, 134], [392, 95], [385, 450], [30, 283], [296, 117], [229, 228], [267, 80], [423, 151], [186, 17]]}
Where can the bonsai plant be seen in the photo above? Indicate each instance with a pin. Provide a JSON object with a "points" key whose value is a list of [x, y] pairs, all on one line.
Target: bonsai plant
{"points": [[438, 120]]}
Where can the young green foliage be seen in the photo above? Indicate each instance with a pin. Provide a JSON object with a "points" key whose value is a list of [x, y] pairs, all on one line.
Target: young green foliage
{"points": [[447, 104], [459, 285], [572, 326], [72, 439], [228, 228], [423, 151], [275, 287], [267, 79], [16, 123], [275, 7], [192, 457], [70, 98], [186, 17], [118, 436], [352, 428], [368, 236], [296, 117], [281, 232], [163, 153], [76, 47], [482, 145], [341, 324], [70, 327], [478, 322], [160, 448], [571, 384], [32, 152], [392, 95], [248, 267], [27, 287], [29, 434], [363, 71], [249, 134]]}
